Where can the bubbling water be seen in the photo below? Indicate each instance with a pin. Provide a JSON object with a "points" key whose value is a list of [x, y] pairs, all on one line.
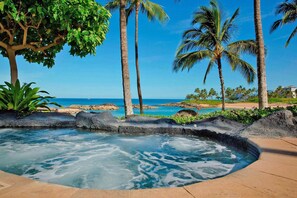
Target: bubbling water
{"points": [[83, 159]]}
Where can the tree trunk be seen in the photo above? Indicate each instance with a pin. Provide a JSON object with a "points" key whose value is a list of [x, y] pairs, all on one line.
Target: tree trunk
{"points": [[136, 58], [124, 60], [261, 68], [13, 66], [222, 83]]}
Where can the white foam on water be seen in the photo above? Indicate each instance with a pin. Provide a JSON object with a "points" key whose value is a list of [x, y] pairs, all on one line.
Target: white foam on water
{"points": [[91, 160]]}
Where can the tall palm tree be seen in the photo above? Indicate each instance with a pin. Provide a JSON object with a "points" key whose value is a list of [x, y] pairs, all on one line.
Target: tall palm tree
{"points": [[261, 67], [153, 11], [289, 12], [210, 39], [124, 60]]}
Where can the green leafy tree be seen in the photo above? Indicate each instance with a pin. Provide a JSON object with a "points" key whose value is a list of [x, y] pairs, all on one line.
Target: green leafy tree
{"points": [[289, 11], [210, 39], [153, 11], [1, 5], [39, 30]]}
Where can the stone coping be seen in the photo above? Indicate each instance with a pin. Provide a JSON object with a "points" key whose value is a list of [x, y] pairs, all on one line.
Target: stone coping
{"points": [[273, 175]]}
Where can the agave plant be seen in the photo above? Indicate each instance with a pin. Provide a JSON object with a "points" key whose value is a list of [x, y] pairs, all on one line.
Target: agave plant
{"points": [[23, 99]]}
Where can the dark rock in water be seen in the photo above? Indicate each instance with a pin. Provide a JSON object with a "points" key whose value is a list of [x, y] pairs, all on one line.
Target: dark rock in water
{"points": [[144, 107], [37, 119], [102, 121], [103, 107], [278, 124], [186, 113]]}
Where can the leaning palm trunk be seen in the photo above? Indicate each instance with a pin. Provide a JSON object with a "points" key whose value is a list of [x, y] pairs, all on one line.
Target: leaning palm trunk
{"points": [[136, 58], [222, 83], [124, 60], [261, 68]]}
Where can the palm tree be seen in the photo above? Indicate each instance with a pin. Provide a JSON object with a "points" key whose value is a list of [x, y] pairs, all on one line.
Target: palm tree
{"points": [[289, 12], [153, 11], [261, 67], [124, 60], [210, 39]]}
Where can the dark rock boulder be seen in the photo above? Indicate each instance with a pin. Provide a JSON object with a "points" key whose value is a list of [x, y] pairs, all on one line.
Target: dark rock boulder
{"points": [[219, 124], [278, 124], [100, 121], [186, 113], [149, 120], [295, 120], [37, 119]]}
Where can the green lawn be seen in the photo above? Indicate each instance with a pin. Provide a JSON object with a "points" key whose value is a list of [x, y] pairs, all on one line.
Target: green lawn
{"points": [[255, 100]]}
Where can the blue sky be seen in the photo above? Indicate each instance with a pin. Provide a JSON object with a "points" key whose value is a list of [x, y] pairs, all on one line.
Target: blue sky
{"points": [[100, 76]]}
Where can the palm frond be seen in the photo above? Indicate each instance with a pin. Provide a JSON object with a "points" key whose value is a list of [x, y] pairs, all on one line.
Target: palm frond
{"points": [[247, 71], [188, 60], [244, 46], [113, 5], [154, 11], [278, 23], [209, 67], [291, 36], [228, 27]]}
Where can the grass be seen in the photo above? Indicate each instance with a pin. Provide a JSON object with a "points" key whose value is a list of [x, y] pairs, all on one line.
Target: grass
{"points": [[253, 100], [245, 116], [276, 100], [209, 102]]}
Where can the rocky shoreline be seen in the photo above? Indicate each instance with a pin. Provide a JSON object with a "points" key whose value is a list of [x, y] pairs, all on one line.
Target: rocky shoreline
{"points": [[183, 105], [103, 107]]}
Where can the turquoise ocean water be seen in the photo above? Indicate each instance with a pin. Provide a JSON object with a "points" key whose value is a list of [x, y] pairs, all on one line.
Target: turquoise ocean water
{"points": [[161, 110]]}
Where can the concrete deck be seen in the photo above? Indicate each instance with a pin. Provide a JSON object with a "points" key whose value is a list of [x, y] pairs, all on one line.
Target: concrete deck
{"points": [[273, 175]]}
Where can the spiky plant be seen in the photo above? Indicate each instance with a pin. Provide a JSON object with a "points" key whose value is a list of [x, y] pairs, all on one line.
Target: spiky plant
{"points": [[23, 99]]}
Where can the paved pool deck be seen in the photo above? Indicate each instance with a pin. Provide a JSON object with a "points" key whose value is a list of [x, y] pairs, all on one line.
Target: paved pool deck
{"points": [[273, 175]]}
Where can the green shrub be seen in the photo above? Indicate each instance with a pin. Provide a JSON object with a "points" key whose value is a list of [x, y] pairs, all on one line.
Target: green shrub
{"points": [[23, 99], [245, 116]]}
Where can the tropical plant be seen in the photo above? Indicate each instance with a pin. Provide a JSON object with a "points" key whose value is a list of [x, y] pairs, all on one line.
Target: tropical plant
{"points": [[38, 31], [153, 11], [289, 12], [261, 67], [124, 60], [23, 99], [210, 39]]}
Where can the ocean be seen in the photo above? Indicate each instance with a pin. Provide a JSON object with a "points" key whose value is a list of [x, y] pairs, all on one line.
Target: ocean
{"points": [[161, 110]]}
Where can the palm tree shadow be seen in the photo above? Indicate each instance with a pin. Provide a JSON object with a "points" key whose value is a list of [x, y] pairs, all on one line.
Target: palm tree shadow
{"points": [[281, 152]]}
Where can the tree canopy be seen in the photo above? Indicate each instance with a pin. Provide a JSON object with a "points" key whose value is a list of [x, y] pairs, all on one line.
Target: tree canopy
{"points": [[38, 30]]}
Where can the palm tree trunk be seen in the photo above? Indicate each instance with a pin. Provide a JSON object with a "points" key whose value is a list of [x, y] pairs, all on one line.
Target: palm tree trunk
{"points": [[136, 58], [124, 60], [261, 67], [222, 83], [13, 65]]}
